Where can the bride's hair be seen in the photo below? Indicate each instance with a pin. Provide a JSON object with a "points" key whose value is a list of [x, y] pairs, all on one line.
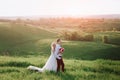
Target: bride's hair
{"points": [[53, 44], [58, 40]]}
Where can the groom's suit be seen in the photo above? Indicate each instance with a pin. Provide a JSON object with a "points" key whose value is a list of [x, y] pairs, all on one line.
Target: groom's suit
{"points": [[59, 58]]}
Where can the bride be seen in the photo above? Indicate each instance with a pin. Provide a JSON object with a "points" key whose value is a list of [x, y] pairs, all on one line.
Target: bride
{"points": [[51, 64]]}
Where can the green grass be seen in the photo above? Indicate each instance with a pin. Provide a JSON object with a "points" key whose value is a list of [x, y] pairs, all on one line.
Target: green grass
{"points": [[19, 39], [14, 68], [113, 37], [23, 45], [91, 50], [23, 40]]}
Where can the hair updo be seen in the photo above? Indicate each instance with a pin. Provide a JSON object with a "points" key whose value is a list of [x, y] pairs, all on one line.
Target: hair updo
{"points": [[58, 40]]}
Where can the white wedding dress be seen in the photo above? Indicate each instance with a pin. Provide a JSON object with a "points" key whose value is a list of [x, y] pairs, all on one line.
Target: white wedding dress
{"points": [[51, 65]]}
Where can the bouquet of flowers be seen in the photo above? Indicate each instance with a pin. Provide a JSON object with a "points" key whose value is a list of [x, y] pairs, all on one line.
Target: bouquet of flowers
{"points": [[61, 50]]}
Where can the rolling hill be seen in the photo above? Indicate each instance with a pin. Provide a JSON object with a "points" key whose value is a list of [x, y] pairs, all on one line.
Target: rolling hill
{"points": [[22, 45], [14, 37], [24, 40]]}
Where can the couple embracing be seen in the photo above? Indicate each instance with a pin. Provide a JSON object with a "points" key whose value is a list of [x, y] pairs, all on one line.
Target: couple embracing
{"points": [[55, 60]]}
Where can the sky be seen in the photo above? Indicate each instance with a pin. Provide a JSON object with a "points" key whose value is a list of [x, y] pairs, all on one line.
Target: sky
{"points": [[58, 7]]}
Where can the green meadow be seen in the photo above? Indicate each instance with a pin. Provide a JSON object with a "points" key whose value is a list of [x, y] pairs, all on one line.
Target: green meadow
{"points": [[22, 45]]}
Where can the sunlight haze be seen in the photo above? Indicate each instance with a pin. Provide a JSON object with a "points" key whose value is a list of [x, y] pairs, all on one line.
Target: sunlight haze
{"points": [[58, 7]]}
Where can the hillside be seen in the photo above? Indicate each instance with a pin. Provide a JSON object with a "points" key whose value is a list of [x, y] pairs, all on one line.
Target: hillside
{"points": [[18, 35], [24, 40], [22, 45]]}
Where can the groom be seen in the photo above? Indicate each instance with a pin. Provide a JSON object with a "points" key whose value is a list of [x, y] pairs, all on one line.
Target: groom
{"points": [[58, 55]]}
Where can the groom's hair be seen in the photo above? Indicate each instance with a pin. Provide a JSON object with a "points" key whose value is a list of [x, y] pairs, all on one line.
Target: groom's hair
{"points": [[58, 39]]}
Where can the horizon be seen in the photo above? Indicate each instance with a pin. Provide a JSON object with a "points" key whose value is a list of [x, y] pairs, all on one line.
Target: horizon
{"points": [[71, 8], [106, 16]]}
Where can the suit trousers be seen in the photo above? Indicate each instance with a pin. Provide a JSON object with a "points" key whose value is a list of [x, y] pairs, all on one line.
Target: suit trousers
{"points": [[60, 63]]}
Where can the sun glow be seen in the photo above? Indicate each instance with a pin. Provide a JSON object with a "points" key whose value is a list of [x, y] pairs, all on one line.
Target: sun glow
{"points": [[58, 7]]}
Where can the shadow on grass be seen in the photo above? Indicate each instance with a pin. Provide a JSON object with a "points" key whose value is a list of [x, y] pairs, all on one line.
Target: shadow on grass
{"points": [[100, 69], [91, 54], [8, 71], [109, 53], [15, 64]]}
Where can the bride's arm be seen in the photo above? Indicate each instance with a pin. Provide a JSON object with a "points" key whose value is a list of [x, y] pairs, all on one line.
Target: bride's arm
{"points": [[53, 47]]}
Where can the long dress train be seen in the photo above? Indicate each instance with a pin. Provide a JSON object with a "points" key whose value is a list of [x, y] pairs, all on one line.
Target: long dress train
{"points": [[51, 65]]}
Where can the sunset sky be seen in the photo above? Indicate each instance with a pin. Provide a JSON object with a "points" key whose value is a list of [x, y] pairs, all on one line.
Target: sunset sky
{"points": [[58, 7]]}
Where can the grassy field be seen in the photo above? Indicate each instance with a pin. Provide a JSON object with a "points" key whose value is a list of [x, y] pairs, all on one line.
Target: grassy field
{"points": [[14, 68], [22, 45]]}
